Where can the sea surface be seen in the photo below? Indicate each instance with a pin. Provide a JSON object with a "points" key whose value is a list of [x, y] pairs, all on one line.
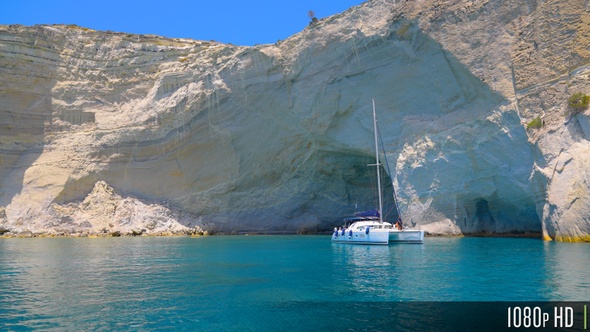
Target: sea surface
{"points": [[253, 283]]}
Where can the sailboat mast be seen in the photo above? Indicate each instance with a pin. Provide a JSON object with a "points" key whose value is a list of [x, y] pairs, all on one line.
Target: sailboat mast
{"points": [[377, 164]]}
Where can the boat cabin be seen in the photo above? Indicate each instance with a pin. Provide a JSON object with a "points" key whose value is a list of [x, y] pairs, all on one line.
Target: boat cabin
{"points": [[361, 223]]}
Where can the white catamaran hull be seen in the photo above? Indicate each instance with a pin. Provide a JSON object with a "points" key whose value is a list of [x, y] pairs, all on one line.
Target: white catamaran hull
{"points": [[378, 236], [406, 236], [361, 237]]}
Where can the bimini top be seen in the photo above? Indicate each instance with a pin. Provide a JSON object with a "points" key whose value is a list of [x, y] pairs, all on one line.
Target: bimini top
{"points": [[355, 219]]}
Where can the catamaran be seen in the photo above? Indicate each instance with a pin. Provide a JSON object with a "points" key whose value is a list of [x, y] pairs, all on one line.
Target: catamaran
{"points": [[368, 227]]}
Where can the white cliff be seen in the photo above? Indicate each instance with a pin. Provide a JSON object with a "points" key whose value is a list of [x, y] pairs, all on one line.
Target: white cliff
{"points": [[276, 138]]}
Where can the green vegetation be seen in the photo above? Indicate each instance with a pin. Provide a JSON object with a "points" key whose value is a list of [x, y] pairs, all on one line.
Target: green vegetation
{"points": [[311, 15], [535, 123], [578, 102], [76, 27]]}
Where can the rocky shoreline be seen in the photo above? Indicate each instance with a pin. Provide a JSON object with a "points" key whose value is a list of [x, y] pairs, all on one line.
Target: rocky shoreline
{"points": [[198, 232], [6, 233], [104, 130]]}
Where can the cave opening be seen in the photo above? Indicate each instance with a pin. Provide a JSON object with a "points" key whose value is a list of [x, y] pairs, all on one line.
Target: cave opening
{"points": [[361, 185], [487, 223]]}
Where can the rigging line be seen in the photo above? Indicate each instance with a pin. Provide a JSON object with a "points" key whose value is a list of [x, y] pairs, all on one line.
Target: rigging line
{"points": [[373, 183], [388, 213], [372, 178], [399, 213]]}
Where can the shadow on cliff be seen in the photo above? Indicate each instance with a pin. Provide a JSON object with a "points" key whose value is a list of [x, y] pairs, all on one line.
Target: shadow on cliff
{"points": [[452, 107], [478, 170], [26, 111]]}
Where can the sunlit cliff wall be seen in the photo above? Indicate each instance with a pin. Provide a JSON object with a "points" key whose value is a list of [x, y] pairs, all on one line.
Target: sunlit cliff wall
{"points": [[102, 130]]}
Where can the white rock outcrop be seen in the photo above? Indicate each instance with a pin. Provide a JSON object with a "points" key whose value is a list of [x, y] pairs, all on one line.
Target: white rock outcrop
{"points": [[104, 211], [276, 138]]}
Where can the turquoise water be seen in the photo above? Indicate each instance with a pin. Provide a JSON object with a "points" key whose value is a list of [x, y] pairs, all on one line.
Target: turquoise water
{"points": [[265, 282]]}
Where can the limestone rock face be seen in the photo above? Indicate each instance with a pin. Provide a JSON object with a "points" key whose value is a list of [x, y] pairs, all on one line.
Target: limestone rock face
{"points": [[105, 211], [102, 128]]}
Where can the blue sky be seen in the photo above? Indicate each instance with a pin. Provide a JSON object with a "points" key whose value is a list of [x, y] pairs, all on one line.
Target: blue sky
{"points": [[229, 21]]}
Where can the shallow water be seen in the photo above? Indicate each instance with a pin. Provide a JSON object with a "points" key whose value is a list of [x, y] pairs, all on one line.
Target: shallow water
{"points": [[262, 282]]}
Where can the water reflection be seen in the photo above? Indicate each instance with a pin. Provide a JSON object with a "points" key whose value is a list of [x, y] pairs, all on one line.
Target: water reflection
{"points": [[217, 282], [27, 281], [568, 271], [373, 273], [60, 283], [505, 269], [468, 269]]}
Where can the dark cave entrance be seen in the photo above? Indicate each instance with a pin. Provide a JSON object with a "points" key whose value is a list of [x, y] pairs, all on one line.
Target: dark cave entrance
{"points": [[486, 221], [361, 187]]}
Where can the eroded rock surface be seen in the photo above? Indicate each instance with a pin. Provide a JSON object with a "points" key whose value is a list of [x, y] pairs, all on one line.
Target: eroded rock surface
{"points": [[101, 128]]}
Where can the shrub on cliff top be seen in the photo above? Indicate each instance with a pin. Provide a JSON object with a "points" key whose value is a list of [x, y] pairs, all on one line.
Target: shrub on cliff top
{"points": [[578, 102], [311, 15], [535, 123]]}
